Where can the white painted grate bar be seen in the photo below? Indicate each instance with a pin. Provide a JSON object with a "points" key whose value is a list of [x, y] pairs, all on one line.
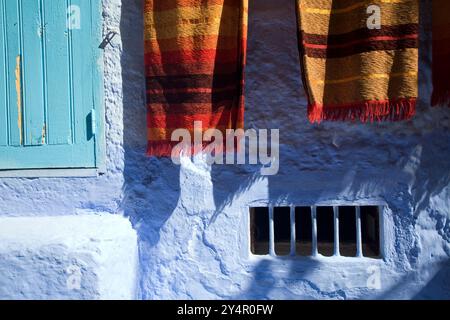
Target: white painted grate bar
{"points": [[336, 231], [271, 232], [381, 231], [293, 235], [315, 250], [358, 232]]}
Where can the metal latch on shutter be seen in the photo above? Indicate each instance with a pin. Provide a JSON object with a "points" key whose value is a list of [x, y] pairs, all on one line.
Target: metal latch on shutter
{"points": [[108, 38]]}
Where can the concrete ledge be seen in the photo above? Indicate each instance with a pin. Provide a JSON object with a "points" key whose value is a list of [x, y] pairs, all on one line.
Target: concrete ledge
{"points": [[51, 173], [71, 257]]}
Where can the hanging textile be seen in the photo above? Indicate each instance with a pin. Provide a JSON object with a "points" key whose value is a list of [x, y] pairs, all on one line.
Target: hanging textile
{"points": [[359, 58], [441, 53], [194, 61]]}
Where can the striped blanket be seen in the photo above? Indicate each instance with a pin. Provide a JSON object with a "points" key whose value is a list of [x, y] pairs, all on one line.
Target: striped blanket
{"points": [[354, 67], [194, 61], [441, 52]]}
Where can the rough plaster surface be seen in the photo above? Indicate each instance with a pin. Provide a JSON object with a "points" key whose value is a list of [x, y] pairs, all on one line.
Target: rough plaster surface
{"points": [[192, 221], [68, 257]]}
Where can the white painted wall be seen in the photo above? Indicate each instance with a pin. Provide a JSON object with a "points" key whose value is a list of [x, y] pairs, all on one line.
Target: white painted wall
{"points": [[192, 221], [71, 257]]}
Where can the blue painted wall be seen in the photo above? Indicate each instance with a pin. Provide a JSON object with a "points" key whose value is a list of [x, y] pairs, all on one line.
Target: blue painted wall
{"points": [[192, 220]]}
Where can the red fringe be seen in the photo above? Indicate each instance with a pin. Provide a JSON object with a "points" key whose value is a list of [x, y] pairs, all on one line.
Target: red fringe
{"points": [[387, 110], [441, 97], [160, 148]]}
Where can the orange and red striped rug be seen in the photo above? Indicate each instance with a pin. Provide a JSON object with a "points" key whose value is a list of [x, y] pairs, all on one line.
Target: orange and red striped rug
{"points": [[194, 59]]}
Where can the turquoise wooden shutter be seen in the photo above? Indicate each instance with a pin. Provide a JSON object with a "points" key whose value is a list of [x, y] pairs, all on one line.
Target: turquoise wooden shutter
{"points": [[50, 84]]}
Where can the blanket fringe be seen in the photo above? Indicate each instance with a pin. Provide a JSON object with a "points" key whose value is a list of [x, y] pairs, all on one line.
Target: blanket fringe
{"points": [[441, 89], [389, 110], [160, 148], [441, 82], [441, 98]]}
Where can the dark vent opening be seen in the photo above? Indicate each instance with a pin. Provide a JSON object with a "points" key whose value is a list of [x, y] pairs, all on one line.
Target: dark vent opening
{"points": [[282, 230], [347, 231], [325, 230], [259, 223], [370, 230], [303, 225]]}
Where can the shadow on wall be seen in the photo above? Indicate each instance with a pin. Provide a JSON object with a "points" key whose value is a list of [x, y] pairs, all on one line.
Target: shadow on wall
{"points": [[413, 286], [404, 164], [431, 282], [317, 162], [429, 159], [438, 287], [269, 282], [332, 161], [146, 179]]}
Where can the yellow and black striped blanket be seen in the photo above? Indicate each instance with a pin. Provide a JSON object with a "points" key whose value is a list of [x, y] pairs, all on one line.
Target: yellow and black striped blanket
{"points": [[359, 58]]}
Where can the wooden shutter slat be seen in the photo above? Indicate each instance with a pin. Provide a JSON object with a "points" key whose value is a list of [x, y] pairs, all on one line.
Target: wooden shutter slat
{"points": [[82, 68], [32, 73], [13, 72], [3, 80], [57, 61]]}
